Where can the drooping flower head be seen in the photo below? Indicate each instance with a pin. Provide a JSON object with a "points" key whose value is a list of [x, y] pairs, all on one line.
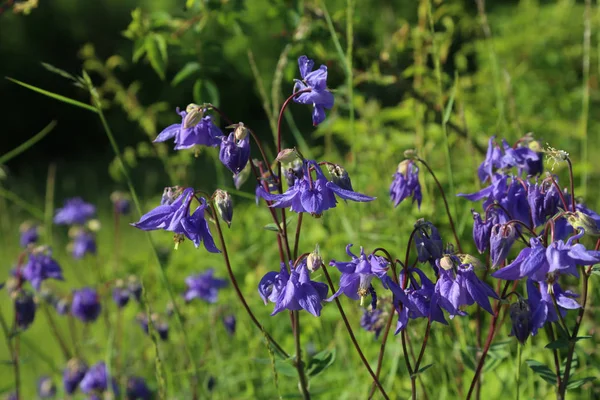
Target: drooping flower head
{"points": [[234, 153], [373, 321], [86, 305], [319, 96], [295, 291], [459, 286], [195, 129], [310, 195], [25, 307], [41, 266], [97, 380], [520, 315], [204, 286], [502, 238], [29, 234], [358, 273], [482, 230], [406, 183], [73, 374], [46, 388], [428, 242], [137, 389], [135, 287], [75, 211], [173, 215]]}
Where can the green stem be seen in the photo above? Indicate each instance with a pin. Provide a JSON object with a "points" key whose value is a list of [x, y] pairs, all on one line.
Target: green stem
{"points": [[299, 364], [13, 353], [519, 351], [587, 33]]}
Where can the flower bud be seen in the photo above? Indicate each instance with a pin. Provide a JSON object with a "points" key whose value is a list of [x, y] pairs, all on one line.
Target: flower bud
{"points": [[24, 308], [314, 260], [94, 225], [520, 315], [224, 205], [193, 117], [579, 220], [287, 155], [73, 374], [339, 176], [410, 154]]}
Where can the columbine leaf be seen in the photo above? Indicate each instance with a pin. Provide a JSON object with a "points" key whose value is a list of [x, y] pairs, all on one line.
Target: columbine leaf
{"points": [[423, 369], [285, 368], [320, 361], [574, 384], [561, 343], [185, 72], [542, 370]]}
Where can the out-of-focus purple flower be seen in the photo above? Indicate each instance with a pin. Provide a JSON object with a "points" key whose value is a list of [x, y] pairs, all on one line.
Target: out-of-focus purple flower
{"points": [[419, 298], [97, 380], [135, 287], [46, 389], [293, 291], [194, 130], [11, 396], [319, 96], [458, 285], [29, 234], [173, 215], [310, 195], [121, 202], [406, 183], [73, 374], [542, 305], [373, 321], [120, 294], [204, 286], [229, 323], [62, 306], [358, 273], [161, 326], [501, 241], [24, 308], [234, 153], [137, 389], [86, 305], [520, 315], [41, 266], [83, 243], [427, 241], [75, 211]]}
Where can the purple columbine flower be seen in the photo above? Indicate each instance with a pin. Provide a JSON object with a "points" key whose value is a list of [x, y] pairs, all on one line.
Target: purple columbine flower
{"points": [[406, 183], [204, 286], [358, 273], [137, 389], [83, 243], [29, 234], [544, 200], [96, 380], [293, 291], [492, 160], [542, 306], [482, 230], [501, 241], [520, 315], [319, 96], [41, 266], [458, 286], [73, 374], [194, 129], [46, 389], [75, 211], [234, 153], [24, 308], [86, 305], [173, 215], [427, 241], [310, 195], [229, 323], [418, 298]]}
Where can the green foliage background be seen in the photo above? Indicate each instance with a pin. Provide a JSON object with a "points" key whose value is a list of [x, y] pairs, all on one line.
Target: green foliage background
{"points": [[153, 56]]}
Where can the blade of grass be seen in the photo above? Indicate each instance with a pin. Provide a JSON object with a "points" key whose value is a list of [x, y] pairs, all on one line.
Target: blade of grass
{"points": [[27, 144], [24, 204], [54, 95]]}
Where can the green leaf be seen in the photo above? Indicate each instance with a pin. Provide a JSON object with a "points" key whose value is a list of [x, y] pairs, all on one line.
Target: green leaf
{"points": [[468, 360], [542, 370], [271, 227], [213, 93], [574, 384], [156, 54], [54, 95], [320, 361], [59, 71], [423, 369], [285, 368], [139, 49], [450, 104], [197, 91], [27, 144], [185, 72], [561, 343]]}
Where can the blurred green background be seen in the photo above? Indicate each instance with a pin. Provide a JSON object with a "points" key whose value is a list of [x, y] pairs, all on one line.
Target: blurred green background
{"points": [[505, 67]]}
